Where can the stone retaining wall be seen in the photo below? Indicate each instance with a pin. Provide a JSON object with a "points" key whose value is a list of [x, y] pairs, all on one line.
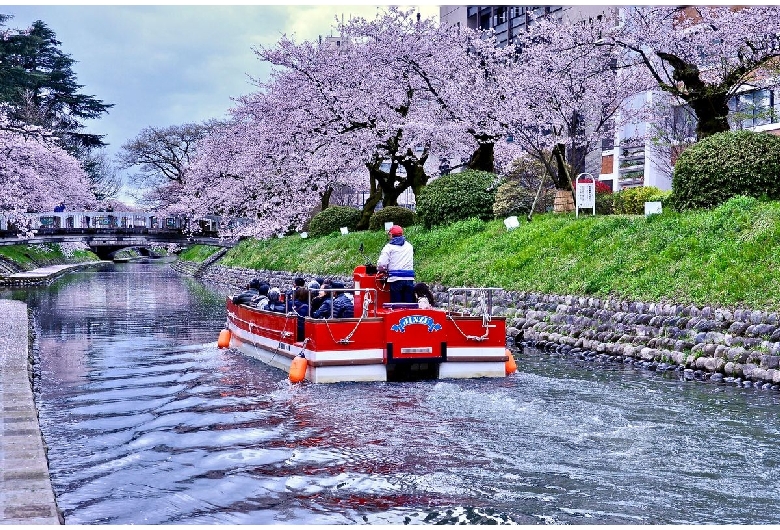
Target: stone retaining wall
{"points": [[738, 346]]}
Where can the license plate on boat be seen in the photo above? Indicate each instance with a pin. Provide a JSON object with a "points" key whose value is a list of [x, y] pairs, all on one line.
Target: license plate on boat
{"points": [[417, 350]]}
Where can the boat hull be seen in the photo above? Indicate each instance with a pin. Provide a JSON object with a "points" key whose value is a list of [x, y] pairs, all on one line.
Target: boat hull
{"points": [[396, 344]]}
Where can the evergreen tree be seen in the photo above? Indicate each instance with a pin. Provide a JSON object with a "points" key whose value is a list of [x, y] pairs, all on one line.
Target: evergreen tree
{"points": [[38, 84]]}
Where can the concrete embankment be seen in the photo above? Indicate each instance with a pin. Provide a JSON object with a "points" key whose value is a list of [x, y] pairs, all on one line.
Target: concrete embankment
{"points": [[735, 346], [43, 274], [26, 495]]}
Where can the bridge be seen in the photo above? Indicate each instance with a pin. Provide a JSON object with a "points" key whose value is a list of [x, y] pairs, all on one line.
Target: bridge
{"points": [[107, 242], [108, 232]]}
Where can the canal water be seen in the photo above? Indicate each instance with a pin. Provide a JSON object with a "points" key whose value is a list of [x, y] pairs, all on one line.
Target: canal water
{"points": [[147, 422]]}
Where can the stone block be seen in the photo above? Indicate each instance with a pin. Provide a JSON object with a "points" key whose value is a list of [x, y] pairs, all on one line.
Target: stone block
{"points": [[770, 361]]}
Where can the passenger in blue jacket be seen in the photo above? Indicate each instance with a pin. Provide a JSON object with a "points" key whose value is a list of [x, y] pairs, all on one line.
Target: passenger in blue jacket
{"points": [[301, 301], [341, 304]]}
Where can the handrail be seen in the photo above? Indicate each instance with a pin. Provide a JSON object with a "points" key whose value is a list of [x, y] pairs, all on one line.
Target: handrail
{"points": [[366, 290], [488, 304]]}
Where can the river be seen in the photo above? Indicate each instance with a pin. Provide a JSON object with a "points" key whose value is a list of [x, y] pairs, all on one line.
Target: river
{"points": [[147, 422]]}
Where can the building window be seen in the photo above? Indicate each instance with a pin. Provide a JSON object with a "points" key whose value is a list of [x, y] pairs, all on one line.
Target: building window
{"points": [[484, 21], [753, 109], [501, 15]]}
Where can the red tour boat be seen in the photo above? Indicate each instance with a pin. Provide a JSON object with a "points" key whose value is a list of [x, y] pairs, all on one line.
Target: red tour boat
{"points": [[381, 342]]}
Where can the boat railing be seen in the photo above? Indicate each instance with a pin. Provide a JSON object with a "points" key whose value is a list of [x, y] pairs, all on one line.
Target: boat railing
{"points": [[471, 301], [369, 298]]}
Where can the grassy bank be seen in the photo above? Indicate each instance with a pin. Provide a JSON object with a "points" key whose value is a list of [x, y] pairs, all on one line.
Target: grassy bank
{"points": [[197, 253], [32, 256], [729, 256]]}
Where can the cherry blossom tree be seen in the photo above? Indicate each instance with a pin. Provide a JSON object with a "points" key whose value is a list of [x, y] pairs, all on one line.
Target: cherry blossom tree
{"points": [[360, 97], [565, 96], [36, 175], [701, 55], [467, 74], [232, 176], [328, 117]]}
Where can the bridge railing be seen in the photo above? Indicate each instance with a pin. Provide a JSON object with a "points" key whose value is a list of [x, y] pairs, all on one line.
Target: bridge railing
{"points": [[88, 222]]}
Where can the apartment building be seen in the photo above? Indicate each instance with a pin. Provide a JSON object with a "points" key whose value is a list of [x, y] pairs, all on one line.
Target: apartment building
{"points": [[509, 21]]}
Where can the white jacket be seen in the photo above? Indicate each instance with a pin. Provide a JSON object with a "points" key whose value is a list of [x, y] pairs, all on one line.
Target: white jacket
{"points": [[398, 260]]}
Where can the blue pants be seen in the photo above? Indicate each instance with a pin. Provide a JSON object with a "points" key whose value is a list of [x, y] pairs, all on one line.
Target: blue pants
{"points": [[402, 291]]}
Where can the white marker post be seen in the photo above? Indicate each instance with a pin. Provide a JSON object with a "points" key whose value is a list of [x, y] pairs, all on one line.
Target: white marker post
{"points": [[586, 193], [511, 223]]}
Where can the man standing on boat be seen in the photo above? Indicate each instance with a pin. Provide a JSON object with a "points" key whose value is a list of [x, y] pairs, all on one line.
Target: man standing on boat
{"points": [[397, 260]]}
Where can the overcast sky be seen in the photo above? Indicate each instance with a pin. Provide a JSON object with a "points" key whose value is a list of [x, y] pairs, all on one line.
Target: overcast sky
{"points": [[167, 65]]}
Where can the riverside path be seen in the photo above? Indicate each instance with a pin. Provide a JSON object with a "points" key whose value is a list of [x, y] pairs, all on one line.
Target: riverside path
{"points": [[26, 494]]}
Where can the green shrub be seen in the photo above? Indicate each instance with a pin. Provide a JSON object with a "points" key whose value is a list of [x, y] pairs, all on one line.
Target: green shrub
{"points": [[517, 191], [457, 196], [397, 214], [660, 196], [332, 218], [604, 203], [632, 200], [725, 165], [512, 199]]}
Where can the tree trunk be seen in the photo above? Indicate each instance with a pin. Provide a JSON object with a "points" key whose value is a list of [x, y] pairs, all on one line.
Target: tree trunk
{"points": [[712, 111], [483, 158], [416, 176], [325, 198], [563, 180], [374, 197]]}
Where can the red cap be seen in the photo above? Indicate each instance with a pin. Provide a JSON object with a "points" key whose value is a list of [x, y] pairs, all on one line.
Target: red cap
{"points": [[396, 230]]}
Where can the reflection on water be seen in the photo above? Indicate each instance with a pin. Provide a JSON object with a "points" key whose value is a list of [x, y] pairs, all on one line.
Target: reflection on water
{"points": [[148, 422]]}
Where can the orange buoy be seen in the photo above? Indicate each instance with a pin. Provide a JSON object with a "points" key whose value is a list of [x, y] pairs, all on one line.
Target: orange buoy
{"points": [[510, 366], [298, 369], [224, 339]]}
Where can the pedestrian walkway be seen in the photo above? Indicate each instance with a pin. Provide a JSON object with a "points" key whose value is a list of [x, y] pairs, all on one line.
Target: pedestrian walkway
{"points": [[43, 274], [26, 494]]}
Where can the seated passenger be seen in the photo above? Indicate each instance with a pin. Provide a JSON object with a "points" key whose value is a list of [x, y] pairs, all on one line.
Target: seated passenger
{"points": [[316, 299], [274, 301], [301, 301], [343, 304], [245, 297], [424, 296], [289, 296], [261, 301], [338, 303]]}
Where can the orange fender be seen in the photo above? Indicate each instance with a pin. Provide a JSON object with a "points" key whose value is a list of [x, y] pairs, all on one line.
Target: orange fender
{"points": [[224, 339], [298, 369], [511, 365]]}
